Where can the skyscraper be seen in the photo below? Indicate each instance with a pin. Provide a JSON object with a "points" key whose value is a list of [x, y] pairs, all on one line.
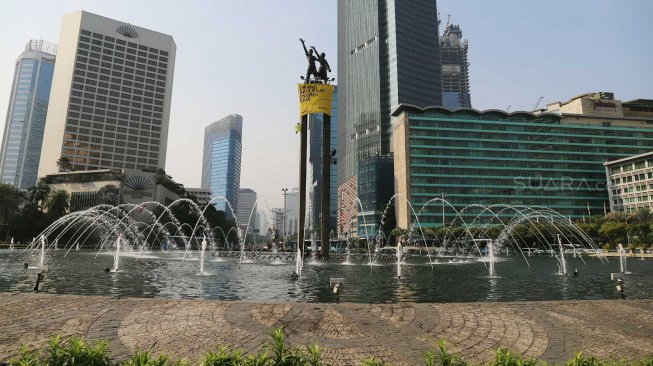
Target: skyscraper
{"points": [[221, 163], [386, 56], [455, 68], [247, 212], [110, 100], [315, 163], [28, 107]]}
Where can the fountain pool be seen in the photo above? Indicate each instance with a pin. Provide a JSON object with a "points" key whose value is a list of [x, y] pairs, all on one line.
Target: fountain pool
{"points": [[168, 274]]}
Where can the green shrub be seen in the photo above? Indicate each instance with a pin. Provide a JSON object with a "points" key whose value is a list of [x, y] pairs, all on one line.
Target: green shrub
{"points": [[371, 361], [446, 358], [25, 358], [283, 355], [144, 358], [503, 357], [223, 357], [77, 352]]}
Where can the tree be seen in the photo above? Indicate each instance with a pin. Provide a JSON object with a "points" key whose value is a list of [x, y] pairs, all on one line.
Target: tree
{"points": [[39, 192], [109, 195], [10, 200], [614, 232], [64, 164], [28, 223], [641, 216], [57, 203], [397, 233]]}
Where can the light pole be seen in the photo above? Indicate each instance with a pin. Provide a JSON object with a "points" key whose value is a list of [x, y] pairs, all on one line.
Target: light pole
{"points": [[283, 232]]}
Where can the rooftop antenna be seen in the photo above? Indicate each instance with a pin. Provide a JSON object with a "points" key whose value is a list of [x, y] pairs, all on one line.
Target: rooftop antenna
{"points": [[508, 109], [448, 21], [538, 103]]}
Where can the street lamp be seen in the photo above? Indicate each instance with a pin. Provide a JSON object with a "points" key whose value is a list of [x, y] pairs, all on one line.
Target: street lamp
{"points": [[283, 232]]}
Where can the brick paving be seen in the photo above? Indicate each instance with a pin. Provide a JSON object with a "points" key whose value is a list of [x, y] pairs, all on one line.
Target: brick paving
{"points": [[394, 333]]}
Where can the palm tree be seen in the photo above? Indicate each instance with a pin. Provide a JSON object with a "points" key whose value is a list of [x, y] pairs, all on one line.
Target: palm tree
{"points": [[64, 164], [57, 203], [39, 192], [641, 216]]}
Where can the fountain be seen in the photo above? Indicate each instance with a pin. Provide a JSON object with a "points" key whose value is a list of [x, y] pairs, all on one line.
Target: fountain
{"points": [[202, 257], [299, 263], [42, 257], [491, 258], [641, 253], [622, 259], [11, 244], [313, 249], [77, 246], [116, 256], [563, 264], [399, 259]]}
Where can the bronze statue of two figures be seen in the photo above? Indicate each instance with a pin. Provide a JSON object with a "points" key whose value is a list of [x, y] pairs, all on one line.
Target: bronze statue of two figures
{"points": [[320, 76]]}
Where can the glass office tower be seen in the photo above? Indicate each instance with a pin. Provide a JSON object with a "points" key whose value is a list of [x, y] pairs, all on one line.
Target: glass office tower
{"points": [[221, 163], [388, 54], [28, 107]]}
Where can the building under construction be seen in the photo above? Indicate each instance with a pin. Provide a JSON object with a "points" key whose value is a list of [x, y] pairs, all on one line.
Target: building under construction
{"points": [[455, 68]]}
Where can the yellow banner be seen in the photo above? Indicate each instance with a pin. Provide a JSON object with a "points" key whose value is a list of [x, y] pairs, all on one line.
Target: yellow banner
{"points": [[315, 98]]}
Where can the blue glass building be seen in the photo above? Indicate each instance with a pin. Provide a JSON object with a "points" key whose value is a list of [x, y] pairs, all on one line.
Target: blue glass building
{"points": [[221, 163], [28, 107]]}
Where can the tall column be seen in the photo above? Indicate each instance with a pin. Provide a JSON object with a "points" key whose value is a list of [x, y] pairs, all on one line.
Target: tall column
{"points": [[301, 209], [326, 188]]}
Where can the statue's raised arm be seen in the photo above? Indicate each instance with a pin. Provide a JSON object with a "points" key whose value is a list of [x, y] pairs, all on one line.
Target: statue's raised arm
{"points": [[304, 45], [311, 70]]}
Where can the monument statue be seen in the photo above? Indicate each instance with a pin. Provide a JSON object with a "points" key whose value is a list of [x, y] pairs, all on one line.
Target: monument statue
{"points": [[324, 66], [310, 70]]}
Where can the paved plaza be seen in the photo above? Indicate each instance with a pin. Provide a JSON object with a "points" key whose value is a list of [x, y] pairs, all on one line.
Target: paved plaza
{"points": [[396, 333]]}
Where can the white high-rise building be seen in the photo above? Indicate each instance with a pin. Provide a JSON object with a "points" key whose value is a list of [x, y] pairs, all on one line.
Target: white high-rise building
{"points": [[110, 99]]}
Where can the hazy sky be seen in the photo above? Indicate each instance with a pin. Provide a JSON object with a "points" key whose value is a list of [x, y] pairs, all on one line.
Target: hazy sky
{"points": [[245, 57]]}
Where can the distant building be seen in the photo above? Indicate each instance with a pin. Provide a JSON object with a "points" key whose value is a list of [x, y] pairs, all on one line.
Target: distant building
{"points": [[291, 211], [315, 164], [247, 210], [548, 158], [455, 68], [347, 208], [110, 101], [263, 222], [630, 182], [388, 54], [115, 186], [202, 195], [28, 106], [276, 219], [221, 162]]}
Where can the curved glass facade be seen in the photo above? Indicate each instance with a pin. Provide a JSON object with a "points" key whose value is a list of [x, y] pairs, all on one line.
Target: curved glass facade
{"points": [[221, 164], [516, 159], [28, 107]]}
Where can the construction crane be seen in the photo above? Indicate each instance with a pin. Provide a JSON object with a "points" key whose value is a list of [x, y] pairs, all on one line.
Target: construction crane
{"points": [[538, 103], [448, 21]]}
